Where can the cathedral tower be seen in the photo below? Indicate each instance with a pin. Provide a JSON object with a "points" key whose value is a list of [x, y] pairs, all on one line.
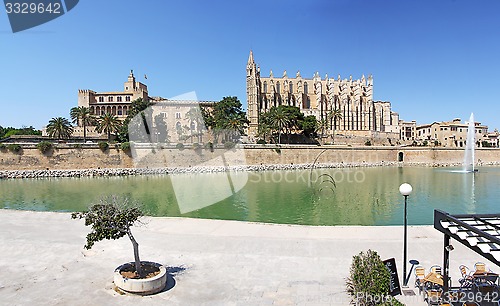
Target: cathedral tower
{"points": [[253, 94]]}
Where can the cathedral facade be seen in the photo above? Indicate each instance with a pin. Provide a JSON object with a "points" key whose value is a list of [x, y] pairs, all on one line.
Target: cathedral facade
{"points": [[360, 114]]}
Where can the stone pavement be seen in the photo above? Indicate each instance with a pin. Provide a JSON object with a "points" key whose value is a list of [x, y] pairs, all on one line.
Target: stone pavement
{"points": [[211, 262]]}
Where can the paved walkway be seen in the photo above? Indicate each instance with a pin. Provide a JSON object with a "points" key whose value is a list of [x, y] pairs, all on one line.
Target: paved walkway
{"points": [[211, 262]]}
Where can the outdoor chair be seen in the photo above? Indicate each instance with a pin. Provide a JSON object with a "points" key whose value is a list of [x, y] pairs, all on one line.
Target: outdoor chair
{"points": [[419, 277], [467, 280], [436, 269]]}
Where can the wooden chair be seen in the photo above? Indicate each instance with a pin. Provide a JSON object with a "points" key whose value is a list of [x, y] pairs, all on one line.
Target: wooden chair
{"points": [[436, 269], [419, 276]]}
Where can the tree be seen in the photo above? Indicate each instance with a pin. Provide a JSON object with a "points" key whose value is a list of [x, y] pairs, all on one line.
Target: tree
{"points": [[59, 128], [227, 114], [111, 218], [278, 120], [309, 125], [108, 123], [334, 115], [82, 117], [137, 106], [195, 115]]}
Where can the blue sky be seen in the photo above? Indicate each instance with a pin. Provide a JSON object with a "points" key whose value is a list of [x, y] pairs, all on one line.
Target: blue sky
{"points": [[434, 60]]}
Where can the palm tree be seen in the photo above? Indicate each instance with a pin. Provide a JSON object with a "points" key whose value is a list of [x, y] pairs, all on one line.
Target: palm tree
{"points": [[109, 124], [195, 115], [60, 128], [279, 120], [334, 115], [82, 117]]}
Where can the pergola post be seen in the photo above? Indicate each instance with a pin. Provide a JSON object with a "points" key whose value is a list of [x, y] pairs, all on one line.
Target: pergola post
{"points": [[446, 267]]}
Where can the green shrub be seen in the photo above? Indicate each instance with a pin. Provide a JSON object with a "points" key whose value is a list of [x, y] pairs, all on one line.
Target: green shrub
{"points": [[179, 146], [229, 145], [425, 143], [486, 144], [44, 146], [14, 148], [209, 146], [368, 143], [261, 141], [368, 279], [125, 146], [104, 146]]}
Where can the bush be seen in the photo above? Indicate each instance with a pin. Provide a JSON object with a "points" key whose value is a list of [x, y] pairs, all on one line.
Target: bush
{"points": [[104, 146], [44, 146], [368, 143], [125, 146], [209, 146], [229, 145], [486, 144], [368, 279], [180, 146], [425, 143], [3, 147], [261, 141], [14, 148]]}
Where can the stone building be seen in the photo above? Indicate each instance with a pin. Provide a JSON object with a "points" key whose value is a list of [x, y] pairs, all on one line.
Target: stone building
{"points": [[361, 116], [115, 102], [449, 133]]}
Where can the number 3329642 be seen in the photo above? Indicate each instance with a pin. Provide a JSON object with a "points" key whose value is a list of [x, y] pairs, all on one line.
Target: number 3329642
{"points": [[33, 8]]}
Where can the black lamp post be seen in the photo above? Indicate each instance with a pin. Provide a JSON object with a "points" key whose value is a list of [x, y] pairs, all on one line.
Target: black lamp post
{"points": [[405, 189]]}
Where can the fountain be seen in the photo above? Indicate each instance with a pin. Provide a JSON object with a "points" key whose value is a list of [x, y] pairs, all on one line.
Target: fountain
{"points": [[468, 165]]}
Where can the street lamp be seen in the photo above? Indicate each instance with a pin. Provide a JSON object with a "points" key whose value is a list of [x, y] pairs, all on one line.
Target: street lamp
{"points": [[405, 189]]}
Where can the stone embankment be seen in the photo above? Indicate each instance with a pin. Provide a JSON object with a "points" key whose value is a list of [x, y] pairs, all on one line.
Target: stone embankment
{"points": [[19, 174]]}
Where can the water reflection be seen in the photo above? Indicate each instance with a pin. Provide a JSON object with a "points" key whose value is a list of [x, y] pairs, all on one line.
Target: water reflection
{"points": [[366, 196]]}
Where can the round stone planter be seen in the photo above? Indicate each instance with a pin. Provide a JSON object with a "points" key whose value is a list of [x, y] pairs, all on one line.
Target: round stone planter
{"points": [[143, 286]]}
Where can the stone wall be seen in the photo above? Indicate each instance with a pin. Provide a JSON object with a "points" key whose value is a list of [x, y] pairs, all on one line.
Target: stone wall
{"points": [[91, 157]]}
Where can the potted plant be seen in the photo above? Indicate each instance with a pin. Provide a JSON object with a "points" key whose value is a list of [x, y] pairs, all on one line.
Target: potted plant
{"points": [[112, 218]]}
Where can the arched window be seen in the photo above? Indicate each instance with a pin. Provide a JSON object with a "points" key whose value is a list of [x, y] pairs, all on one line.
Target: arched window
{"points": [[110, 99], [178, 126], [305, 88], [278, 89], [120, 112], [118, 99], [291, 86], [101, 99], [127, 98], [193, 126], [265, 87]]}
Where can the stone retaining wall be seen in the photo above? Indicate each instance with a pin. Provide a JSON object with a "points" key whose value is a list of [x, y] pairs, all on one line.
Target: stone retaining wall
{"points": [[91, 161]]}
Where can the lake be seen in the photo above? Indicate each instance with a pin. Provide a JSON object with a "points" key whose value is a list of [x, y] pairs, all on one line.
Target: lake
{"points": [[350, 196]]}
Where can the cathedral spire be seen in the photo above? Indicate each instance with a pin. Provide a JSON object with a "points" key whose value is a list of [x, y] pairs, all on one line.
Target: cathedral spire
{"points": [[250, 58]]}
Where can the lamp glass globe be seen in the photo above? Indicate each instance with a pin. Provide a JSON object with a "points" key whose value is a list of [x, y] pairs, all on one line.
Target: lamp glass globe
{"points": [[405, 189]]}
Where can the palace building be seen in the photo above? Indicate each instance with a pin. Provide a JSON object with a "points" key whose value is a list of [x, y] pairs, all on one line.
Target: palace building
{"points": [[361, 115]]}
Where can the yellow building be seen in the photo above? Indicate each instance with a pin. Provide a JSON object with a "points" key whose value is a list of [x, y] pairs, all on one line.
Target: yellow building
{"points": [[450, 133]]}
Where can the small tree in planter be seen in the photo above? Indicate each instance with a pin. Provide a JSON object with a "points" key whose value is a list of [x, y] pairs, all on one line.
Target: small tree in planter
{"points": [[112, 218]]}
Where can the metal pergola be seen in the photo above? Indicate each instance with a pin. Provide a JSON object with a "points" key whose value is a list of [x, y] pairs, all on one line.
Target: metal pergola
{"points": [[478, 232]]}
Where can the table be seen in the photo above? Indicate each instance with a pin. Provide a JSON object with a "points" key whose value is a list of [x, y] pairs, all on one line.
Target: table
{"points": [[485, 277]]}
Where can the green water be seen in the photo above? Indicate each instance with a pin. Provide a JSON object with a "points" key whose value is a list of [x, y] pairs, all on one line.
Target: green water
{"points": [[356, 196]]}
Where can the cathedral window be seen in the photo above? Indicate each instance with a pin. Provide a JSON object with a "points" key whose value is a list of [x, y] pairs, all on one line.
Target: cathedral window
{"points": [[291, 87], [278, 87], [265, 87], [305, 88]]}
